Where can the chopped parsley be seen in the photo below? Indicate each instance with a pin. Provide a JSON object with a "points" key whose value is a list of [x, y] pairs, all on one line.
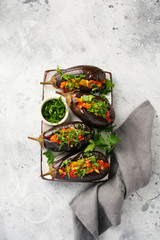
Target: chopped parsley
{"points": [[71, 136], [93, 105], [54, 110]]}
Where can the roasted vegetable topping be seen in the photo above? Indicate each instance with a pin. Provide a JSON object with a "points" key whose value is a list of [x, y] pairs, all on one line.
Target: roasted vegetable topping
{"points": [[70, 136], [54, 110], [82, 167], [98, 108], [71, 82]]}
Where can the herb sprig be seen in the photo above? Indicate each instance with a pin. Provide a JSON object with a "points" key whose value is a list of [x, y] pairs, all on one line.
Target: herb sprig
{"points": [[100, 142], [108, 87], [50, 157]]}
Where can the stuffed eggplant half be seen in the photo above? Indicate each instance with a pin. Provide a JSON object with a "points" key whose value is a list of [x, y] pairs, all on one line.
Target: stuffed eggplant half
{"points": [[80, 167], [71, 136], [91, 109], [83, 77]]}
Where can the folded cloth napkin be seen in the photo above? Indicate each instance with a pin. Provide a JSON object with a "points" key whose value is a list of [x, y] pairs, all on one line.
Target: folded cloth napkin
{"points": [[99, 207]]}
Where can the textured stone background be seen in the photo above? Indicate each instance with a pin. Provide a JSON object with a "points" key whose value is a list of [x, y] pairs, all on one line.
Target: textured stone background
{"points": [[119, 36]]}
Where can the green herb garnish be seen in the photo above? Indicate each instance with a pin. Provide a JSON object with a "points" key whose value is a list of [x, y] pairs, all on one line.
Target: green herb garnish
{"points": [[69, 78], [70, 136], [98, 108], [108, 87], [54, 110], [90, 147], [50, 157], [101, 143]]}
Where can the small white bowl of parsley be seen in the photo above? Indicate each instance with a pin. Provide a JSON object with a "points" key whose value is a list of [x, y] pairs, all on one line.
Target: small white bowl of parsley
{"points": [[54, 110]]}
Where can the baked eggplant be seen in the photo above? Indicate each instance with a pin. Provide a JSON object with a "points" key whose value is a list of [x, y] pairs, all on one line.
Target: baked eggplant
{"points": [[80, 167], [82, 77], [68, 137], [91, 109]]}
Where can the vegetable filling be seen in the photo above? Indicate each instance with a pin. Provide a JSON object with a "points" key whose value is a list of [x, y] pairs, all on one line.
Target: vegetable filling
{"points": [[74, 83], [82, 167], [71, 82], [70, 136], [94, 106]]}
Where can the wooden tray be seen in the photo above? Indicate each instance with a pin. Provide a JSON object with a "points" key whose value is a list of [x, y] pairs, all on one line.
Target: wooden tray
{"points": [[48, 91]]}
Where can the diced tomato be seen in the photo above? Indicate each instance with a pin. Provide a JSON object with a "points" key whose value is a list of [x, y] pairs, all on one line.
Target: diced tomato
{"points": [[100, 162], [63, 175], [80, 138], [106, 165], [54, 139], [64, 90], [64, 84], [85, 105], [88, 164], [71, 174], [80, 105], [108, 116], [99, 84]]}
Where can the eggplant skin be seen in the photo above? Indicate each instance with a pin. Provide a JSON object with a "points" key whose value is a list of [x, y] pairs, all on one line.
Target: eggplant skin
{"points": [[91, 72], [88, 117], [67, 148], [88, 177]]}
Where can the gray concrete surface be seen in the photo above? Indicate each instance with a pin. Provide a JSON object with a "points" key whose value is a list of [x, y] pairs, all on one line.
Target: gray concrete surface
{"points": [[119, 36]]}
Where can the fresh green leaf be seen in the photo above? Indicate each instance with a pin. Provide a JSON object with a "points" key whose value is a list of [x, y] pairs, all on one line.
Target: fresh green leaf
{"points": [[90, 147], [112, 139], [107, 88], [59, 71], [65, 163], [99, 141], [50, 157]]}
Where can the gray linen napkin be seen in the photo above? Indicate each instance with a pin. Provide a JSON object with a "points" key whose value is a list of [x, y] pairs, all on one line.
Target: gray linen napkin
{"points": [[99, 207]]}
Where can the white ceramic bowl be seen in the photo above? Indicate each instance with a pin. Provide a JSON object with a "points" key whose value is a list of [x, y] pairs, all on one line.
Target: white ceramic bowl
{"points": [[65, 116]]}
